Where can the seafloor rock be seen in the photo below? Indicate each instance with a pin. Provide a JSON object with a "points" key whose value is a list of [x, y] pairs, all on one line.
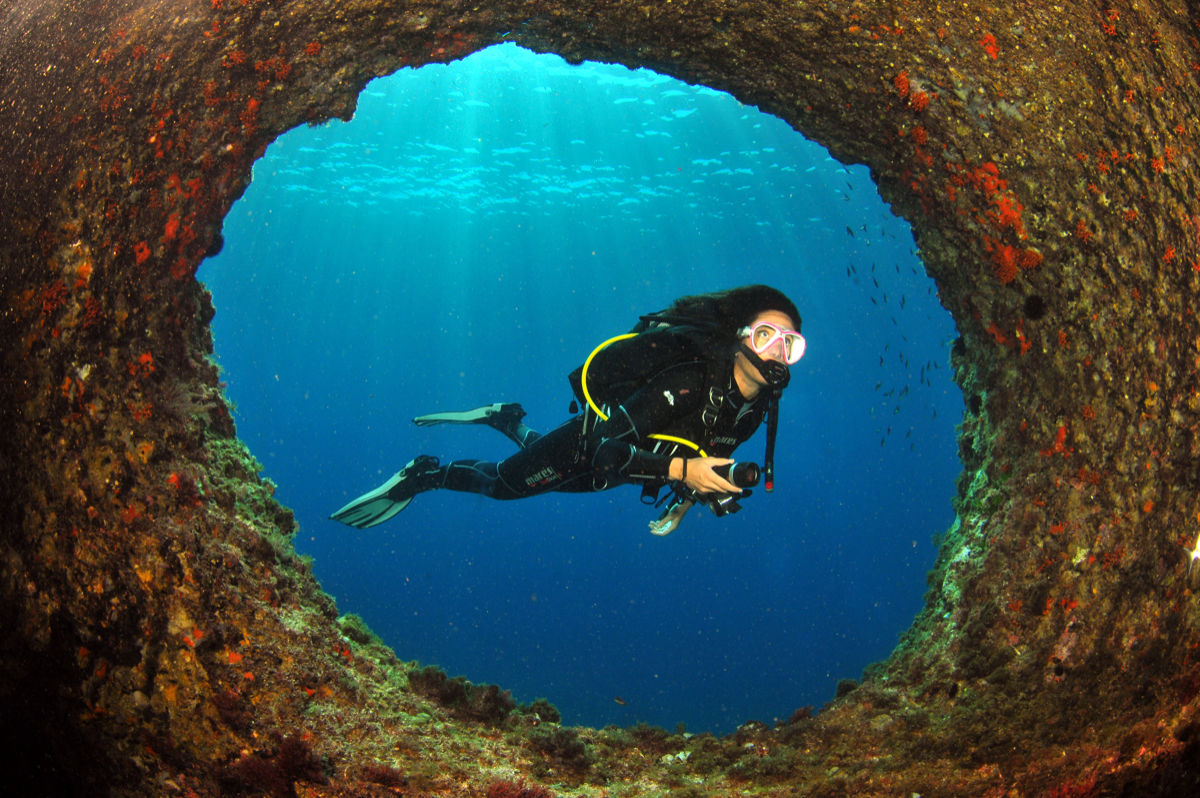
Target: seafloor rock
{"points": [[159, 636]]}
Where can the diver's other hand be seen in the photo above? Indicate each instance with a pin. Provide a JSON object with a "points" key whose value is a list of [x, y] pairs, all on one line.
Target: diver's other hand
{"points": [[700, 475], [669, 521]]}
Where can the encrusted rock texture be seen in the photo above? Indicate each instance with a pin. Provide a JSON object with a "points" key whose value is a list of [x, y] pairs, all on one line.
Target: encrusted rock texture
{"points": [[160, 636]]}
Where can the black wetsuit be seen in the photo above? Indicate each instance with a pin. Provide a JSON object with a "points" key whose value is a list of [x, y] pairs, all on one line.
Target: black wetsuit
{"points": [[618, 451]]}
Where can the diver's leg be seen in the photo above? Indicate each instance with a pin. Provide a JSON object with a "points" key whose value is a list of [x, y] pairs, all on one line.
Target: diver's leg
{"points": [[505, 418], [548, 463]]}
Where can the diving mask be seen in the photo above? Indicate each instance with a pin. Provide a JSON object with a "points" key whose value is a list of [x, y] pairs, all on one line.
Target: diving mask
{"points": [[786, 346]]}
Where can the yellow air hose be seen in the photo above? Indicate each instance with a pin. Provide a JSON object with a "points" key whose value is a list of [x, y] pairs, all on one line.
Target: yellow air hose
{"points": [[600, 413]]}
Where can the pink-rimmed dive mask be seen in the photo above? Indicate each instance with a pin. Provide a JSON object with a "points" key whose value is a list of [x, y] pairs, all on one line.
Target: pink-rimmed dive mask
{"points": [[786, 346]]}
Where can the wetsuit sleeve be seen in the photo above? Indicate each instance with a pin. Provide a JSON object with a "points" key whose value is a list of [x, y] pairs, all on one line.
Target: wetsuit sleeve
{"points": [[615, 446]]}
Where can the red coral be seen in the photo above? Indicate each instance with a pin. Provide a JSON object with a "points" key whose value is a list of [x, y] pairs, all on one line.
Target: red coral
{"points": [[53, 296], [920, 136], [312, 48], [919, 101], [1031, 259], [91, 312], [901, 84], [249, 117], [1059, 446], [141, 251], [988, 42], [1004, 261]]}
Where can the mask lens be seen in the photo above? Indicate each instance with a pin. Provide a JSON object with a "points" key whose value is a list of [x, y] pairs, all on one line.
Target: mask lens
{"points": [[765, 335], [795, 346]]}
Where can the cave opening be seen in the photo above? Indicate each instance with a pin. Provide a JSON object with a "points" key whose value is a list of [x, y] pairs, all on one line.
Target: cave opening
{"points": [[468, 239]]}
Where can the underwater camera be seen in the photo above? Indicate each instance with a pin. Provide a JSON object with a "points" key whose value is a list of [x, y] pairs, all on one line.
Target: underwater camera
{"points": [[744, 475]]}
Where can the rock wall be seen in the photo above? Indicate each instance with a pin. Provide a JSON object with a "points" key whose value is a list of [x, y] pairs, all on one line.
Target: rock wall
{"points": [[159, 635]]}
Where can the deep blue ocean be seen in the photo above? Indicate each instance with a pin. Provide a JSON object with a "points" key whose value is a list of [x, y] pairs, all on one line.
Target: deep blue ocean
{"points": [[469, 238]]}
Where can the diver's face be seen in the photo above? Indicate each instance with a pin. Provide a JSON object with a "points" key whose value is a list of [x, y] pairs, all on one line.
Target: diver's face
{"points": [[775, 350]]}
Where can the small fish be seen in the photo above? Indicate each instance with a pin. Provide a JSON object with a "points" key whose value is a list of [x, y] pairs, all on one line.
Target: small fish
{"points": [[873, 302], [847, 271], [881, 440], [897, 268], [896, 411], [908, 434], [880, 357], [889, 393], [848, 230], [878, 385], [872, 267], [875, 281], [885, 296], [619, 700], [935, 412], [851, 186], [852, 267], [903, 299], [895, 322], [845, 196]]}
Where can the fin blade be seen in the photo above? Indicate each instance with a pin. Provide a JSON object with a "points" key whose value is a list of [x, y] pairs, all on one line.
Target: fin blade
{"points": [[371, 508]]}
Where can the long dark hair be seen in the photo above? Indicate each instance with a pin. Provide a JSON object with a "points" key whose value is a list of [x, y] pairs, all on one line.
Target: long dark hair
{"points": [[735, 308]]}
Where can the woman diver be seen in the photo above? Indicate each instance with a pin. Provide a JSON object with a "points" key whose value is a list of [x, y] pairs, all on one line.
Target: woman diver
{"points": [[667, 404]]}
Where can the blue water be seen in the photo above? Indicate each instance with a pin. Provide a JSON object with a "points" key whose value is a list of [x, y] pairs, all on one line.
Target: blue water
{"points": [[469, 238]]}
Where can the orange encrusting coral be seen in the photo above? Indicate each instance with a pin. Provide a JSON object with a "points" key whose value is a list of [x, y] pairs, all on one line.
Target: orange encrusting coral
{"points": [[988, 42]]}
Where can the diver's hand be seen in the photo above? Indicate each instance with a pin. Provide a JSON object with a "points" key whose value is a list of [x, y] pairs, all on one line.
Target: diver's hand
{"points": [[669, 521], [700, 476]]}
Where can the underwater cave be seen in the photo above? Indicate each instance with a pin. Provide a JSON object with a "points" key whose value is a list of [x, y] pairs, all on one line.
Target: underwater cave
{"points": [[160, 631]]}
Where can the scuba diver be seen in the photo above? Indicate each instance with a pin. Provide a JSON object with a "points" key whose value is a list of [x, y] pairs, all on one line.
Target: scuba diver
{"points": [[666, 404]]}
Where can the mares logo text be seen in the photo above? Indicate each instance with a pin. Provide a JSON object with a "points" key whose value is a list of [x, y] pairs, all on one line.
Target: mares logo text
{"points": [[547, 474]]}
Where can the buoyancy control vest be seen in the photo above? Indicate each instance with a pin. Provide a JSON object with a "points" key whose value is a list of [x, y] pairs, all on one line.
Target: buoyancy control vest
{"points": [[620, 366]]}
